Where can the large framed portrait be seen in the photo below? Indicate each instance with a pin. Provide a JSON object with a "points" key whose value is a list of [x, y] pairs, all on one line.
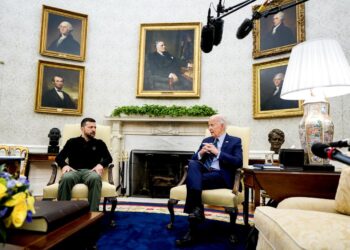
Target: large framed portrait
{"points": [[63, 34], [279, 32], [268, 80], [169, 60], [59, 88]]}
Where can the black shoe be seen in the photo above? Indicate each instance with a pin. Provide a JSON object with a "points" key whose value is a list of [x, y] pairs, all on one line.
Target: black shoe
{"points": [[197, 215], [233, 239], [186, 240]]}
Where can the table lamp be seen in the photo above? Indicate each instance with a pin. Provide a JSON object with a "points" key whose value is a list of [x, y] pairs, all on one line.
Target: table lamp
{"points": [[317, 69]]}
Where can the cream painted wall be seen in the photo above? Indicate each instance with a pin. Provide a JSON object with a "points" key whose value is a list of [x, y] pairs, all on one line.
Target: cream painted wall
{"points": [[112, 57]]}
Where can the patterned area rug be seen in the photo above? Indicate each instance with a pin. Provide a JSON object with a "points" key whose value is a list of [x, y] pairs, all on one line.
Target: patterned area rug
{"points": [[160, 208]]}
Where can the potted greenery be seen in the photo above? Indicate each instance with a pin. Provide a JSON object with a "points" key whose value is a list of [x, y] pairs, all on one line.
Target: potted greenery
{"points": [[162, 111]]}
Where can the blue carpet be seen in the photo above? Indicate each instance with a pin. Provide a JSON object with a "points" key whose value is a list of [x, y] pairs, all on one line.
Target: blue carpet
{"points": [[148, 231]]}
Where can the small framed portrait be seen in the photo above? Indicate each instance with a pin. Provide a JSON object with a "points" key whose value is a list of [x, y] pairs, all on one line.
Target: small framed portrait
{"points": [[279, 32], [169, 60], [63, 34], [59, 88], [268, 80]]}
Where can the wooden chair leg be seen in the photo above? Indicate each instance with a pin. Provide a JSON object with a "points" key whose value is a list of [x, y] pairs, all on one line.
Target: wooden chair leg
{"points": [[104, 204], [171, 204], [233, 212]]}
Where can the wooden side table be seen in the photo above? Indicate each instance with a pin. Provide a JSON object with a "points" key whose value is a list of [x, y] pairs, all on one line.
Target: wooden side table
{"points": [[40, 157], [281, 184]]}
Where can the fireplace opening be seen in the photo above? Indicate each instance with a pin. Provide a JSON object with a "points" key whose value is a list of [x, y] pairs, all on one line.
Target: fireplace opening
{"points": [[154, 172]]}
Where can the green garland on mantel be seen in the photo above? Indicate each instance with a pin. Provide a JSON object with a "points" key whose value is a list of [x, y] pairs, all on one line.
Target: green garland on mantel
{"points": [[161, 110]]}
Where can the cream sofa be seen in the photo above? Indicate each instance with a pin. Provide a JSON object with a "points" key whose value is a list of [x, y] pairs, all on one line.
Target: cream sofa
{"points": [[307, 223]]}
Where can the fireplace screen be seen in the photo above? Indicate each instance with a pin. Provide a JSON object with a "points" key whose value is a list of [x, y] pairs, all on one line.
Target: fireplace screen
{"points": [[153, 173]]}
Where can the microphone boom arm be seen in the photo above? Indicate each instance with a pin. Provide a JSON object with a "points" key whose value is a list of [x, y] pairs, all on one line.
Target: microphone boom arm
{"points": [[279, 8], [234, 8]]}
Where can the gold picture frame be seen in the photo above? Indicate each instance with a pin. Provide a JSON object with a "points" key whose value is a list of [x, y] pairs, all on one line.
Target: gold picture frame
{"points": [[55, 22], [266, 96], [59, 88], [289, 33], [175, 73]]}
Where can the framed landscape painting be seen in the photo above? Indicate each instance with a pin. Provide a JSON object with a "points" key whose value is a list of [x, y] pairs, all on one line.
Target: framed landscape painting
{"points": [[268, 80], [59, 88], [169, 60], [279, 32], [63, 34]]}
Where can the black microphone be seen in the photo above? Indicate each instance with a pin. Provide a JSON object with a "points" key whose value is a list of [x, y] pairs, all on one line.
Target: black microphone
{"points": [[320, 150], [324, 151], [247, 25], [207, 38], [245, 28], [340, 144], [218, 30]]}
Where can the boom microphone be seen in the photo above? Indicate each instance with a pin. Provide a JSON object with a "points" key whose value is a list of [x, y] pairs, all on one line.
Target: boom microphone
{"points": [[207, 38], [218, 29], [326, 152], [247, 25], [244, 29], [340, 144]]}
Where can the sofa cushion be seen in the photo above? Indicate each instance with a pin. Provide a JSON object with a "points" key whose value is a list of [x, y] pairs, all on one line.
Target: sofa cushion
{"points": [[342, 198], [308, 203], [302, 229]]}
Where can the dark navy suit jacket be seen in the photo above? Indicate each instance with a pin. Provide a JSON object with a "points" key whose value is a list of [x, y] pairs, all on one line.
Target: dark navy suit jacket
{"points": [[230, 157]]}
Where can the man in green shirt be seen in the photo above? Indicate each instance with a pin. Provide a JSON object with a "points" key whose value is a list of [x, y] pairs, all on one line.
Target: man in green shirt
{"points": [[87, 158]]}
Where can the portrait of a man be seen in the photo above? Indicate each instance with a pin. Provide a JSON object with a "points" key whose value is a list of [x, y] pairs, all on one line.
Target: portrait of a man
{"points": [[63, 34], [56, 97], [271, 94], [278, 32], [65, 41], [169, 60], [60, 88]]}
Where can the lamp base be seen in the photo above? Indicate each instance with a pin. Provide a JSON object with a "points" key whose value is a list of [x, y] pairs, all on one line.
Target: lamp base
{"points": [[316, 126]]}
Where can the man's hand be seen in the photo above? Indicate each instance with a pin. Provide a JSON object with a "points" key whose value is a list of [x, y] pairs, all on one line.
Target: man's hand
{"points": [[209, 148], [67, 168], [98, 169]]}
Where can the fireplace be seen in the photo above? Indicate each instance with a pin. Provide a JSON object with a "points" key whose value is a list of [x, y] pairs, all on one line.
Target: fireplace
{"points": [[170, 135], [152, 173]]}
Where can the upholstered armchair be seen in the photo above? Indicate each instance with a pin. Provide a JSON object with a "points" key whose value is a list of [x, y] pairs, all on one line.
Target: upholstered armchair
{"points": [[307, 223], [80, 191], [227, 198]]}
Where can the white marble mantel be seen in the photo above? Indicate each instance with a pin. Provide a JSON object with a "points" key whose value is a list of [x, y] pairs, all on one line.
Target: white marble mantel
{"points": [[158, 127]]}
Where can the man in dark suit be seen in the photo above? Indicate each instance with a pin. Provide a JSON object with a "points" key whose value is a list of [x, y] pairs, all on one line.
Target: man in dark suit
{"points": [[56, 97], [279, 35], [211, 167], [165, 70], [274, 100], [65, 43]]}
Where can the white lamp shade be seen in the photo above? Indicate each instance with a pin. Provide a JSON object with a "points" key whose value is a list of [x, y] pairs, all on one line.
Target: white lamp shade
{"points": [[316, 68]]}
